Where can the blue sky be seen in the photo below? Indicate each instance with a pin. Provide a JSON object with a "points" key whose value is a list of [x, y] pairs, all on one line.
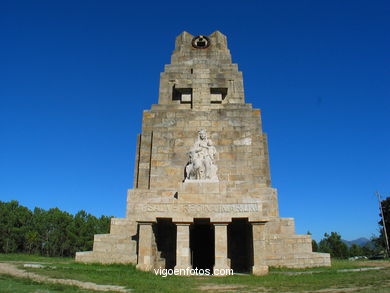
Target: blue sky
{"points": [[75, 77]]}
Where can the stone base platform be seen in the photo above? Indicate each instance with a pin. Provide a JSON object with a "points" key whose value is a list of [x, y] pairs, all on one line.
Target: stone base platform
{"points": [[275, 244]]}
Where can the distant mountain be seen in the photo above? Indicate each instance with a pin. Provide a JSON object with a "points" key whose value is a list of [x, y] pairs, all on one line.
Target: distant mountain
{"points": [[360, 241]]}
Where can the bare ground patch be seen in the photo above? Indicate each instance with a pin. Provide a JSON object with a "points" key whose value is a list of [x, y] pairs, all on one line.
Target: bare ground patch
{"points": [[222, 288], [12, 270]]}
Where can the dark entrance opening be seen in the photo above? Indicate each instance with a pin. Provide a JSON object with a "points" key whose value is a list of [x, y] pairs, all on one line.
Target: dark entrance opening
{"points": [[165, 233], [202, 244], [240, 245]]}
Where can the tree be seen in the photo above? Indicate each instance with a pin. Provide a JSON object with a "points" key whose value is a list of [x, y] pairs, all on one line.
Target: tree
{"points": [[367, 250], [381, 241], [355, 250], [57, 232], [32, 242], [41, 226], [314, 246], [82, 231], [14, 224], [332, 244], [51, 233]]}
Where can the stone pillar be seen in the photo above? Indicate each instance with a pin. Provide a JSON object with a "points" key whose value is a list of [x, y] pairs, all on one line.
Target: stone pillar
{"points": [[259, 266], [183, 257], [221, 251], [200, 88], [145, 246]]}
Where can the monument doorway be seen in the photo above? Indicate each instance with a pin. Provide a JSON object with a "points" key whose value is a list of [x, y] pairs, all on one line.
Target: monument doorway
{"points": [[240, 245], [202, 244], [165, 233]]}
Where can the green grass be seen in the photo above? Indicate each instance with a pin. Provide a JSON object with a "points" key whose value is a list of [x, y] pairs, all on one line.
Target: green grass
{"points": [[124, 275], [33, 258], [276, 281], [10, 284], [337, 264]]}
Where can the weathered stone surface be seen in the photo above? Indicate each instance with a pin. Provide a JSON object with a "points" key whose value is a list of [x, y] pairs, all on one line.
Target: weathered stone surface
{"points": [[202, 93]]}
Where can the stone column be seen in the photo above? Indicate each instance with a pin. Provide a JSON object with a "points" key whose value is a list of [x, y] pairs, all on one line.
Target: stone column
{"points": [[221, 251], [259, 266], [183, 257], [145, 246]]}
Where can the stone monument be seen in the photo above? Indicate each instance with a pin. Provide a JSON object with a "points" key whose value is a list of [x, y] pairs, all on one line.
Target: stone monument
{"points": [[202, 195]]}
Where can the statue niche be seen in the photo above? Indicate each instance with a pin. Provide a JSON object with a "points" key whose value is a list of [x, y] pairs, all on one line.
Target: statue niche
{"points": [[201, 164]]}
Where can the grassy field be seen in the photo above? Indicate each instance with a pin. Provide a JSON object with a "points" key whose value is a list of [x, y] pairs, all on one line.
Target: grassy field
{"points": [[11, 285], [279, 280]]}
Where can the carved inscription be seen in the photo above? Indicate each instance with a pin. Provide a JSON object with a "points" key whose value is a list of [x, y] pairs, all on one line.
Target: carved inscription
{"points": [[200, 208]]}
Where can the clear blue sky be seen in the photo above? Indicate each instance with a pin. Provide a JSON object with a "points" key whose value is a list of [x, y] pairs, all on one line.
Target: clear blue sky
{"points": [[75, 77]]}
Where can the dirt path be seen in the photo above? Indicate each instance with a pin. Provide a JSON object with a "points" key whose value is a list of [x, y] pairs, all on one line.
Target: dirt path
{"points": [[11, 269]]}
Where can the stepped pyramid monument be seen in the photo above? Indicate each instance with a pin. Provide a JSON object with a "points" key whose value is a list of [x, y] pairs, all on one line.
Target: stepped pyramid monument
{"points": [[202, 195]]}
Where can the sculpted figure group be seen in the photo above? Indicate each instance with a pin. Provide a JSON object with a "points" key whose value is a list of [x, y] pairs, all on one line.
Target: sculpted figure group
{"points": [[201, 164]]}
